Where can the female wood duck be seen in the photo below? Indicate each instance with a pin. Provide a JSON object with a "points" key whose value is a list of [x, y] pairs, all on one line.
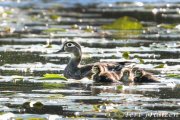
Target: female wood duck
{"points": [[141, 76], [76, 71]]}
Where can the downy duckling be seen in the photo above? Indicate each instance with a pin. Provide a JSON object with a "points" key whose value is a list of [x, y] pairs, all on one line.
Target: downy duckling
{"points": [[141, 76], [101, 74], [126, 75]]}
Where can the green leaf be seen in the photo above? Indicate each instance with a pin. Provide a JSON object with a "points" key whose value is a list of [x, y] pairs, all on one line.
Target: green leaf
{"points": [[160, 66], [124, 23], [53, 76], [126, 55], [167, 26], [96, 107], [50, 30], [119, 87], [173, 75], [56, 96], [55, 17]]}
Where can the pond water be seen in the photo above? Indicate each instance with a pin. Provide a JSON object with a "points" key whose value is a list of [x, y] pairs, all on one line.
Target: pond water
{"points": [[31, 30]]}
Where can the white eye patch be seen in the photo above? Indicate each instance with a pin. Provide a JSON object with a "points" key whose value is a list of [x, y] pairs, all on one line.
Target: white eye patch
{"points": [[70, 45]]}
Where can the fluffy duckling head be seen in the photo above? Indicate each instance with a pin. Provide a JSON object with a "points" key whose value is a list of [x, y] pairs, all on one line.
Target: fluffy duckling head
{"points": [[137, 72], [125, 74], [96, 69]]}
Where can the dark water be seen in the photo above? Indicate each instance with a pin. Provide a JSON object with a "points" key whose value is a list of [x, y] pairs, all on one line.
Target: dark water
{"points": [[32, 30]]}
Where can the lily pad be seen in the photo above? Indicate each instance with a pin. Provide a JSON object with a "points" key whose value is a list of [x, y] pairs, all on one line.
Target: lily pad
{"points": [[55, 17], [50, 30], [174, 76], [167, 26], [160, 66], [53, 76], [124, 23], [126, 55], [119, 87]]}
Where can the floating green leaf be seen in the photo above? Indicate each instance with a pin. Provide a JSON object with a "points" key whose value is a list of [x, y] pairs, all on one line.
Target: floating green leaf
{"points": [[18, 118], [50, 30], [167, 26], [56, 96], [124, 23], [96, 107], [119, 87], [160, 66], [173, 75], [53, 76], [126, 55], [55, 17]]}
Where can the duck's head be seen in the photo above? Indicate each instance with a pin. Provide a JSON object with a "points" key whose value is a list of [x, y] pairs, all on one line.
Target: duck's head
{"points": [[125, 72], [71, 47], [138, 72]]}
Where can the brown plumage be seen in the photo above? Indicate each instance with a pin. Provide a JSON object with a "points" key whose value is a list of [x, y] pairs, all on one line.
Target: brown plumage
{"points": [[141, 76], [102, 74]]}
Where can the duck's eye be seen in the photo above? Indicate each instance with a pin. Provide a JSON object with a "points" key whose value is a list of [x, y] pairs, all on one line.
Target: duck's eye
{"points": [[70, 45]]}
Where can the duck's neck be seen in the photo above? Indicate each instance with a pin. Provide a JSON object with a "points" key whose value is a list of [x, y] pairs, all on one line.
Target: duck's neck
{"points": [[75, 60]]}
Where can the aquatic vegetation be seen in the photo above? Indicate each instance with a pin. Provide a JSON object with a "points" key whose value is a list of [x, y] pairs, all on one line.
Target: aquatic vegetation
{"points": [[51, 30], [124, 23], [119, 87], [125, 55], [160, 66], [167, 26], [173, 75], [48, 76], [55, 17]]}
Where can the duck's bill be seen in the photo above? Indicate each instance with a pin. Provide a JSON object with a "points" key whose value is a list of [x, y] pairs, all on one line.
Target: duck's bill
{"points": [[59, 51]]}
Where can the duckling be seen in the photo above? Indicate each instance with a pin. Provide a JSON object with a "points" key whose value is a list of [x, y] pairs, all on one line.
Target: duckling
{"points": [[141, 76], [76, 71], [126, 75], [101, 74]]}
